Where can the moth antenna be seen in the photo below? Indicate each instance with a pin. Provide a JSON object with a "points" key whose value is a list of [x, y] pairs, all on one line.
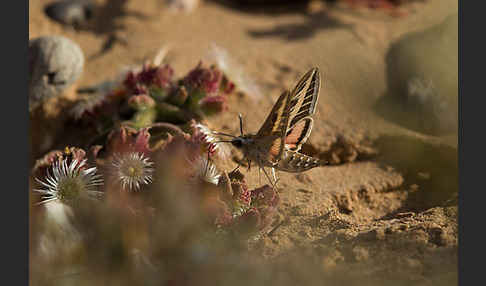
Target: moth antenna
{"points": [[268, 177], [241, 123], [224, 134], [222, 141]]}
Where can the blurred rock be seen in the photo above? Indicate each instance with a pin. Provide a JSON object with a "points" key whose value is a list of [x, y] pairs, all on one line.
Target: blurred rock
{"points": [[75, 13], [55, 63], [422, 71]]}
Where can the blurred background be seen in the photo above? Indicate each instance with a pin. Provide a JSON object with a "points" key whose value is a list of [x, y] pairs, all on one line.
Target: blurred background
{"points": [[385, 210]]}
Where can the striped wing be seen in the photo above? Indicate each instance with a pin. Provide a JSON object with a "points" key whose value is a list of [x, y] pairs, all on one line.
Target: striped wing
{"points": [[298, 134], [302, 105], [273, 131]]}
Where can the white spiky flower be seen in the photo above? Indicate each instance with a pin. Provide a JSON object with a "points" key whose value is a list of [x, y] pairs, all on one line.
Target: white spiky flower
{"points": [[210, 138], [132, 169], [206, 171], [68, 182]]}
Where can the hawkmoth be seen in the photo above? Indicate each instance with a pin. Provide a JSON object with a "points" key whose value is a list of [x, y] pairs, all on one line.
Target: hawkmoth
{"points": [[285, 130]]}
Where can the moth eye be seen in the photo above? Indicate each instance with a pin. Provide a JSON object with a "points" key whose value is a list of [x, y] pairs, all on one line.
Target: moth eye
{"points": [[237, 143]]}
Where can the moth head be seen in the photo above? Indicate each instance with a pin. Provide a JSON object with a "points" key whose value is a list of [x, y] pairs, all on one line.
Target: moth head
{"points": [[241, 141], [237, 142]]}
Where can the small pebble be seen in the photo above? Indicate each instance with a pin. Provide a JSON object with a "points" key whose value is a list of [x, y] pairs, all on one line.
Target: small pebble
{"points": [[303, 178], [304, 191], [404, 214], [74, 13]]}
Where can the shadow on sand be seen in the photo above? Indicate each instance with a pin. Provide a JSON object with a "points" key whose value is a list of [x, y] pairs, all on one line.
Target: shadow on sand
{"points": [[430, 171]]}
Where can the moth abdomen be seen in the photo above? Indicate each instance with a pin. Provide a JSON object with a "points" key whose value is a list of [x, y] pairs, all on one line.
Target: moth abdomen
{"points": [[296, 162]]}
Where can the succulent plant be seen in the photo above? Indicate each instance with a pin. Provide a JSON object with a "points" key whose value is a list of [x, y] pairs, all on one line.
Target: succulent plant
{"points": [[149, 171], [155, 194], [151, 94], [253, 210]]}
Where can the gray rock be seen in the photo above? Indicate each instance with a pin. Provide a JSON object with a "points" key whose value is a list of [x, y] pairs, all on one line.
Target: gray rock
{"points": [[55, 63], [422, 71], [71, 12]]}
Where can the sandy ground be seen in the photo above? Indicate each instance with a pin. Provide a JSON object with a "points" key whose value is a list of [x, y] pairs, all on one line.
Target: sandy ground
{"points": [[387, 205]]}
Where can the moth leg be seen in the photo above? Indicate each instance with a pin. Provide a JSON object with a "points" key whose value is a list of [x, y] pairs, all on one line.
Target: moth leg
{"points": [[259, 176], [249, 163], [279, 221], [278, 179], [275, 177], [268, 177], [273, 174]]}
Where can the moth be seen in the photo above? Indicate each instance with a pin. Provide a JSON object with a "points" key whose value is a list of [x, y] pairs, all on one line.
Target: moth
{"points": [[285, 130]]}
